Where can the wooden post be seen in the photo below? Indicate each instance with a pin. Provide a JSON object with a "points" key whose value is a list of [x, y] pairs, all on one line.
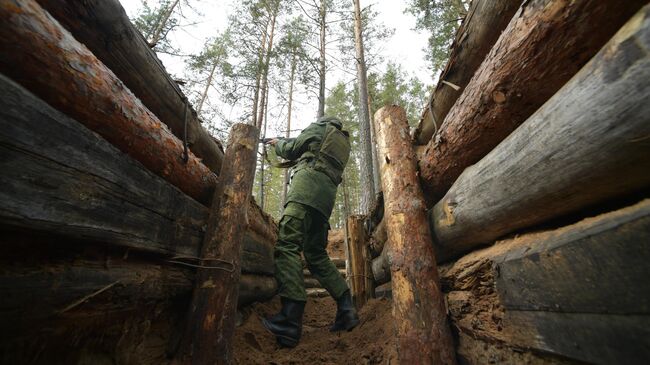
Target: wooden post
{"points": [[214, 303], [544, 45], [44, 58], [361, 274], [104, 27], [423, 333]]}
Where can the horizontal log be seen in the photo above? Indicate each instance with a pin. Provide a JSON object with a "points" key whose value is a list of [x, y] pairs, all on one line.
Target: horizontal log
{"points": [[543, 46], [586, 145], [378, 239], [61, 178], [579, 292], [474, 38], [42, 56], [61, 285], [104, 27]]}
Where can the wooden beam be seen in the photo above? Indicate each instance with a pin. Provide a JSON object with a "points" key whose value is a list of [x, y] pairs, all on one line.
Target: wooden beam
{"points": [[61, 178], [423, 335], [579, 292], [586, 145], [543, 46], [211, 323], [361, 273], [482, 26], [104, 27], [41, 55]]}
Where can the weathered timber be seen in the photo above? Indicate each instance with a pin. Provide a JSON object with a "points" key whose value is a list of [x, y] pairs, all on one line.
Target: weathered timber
{"points": [[104, 27], [212, 313], [41, 55], [360, 278], [381, 267], [543, 46], [586, 145], [59, 177], [579, 292], [423, 334], [378, 239], [475, 37], [63, 297]]}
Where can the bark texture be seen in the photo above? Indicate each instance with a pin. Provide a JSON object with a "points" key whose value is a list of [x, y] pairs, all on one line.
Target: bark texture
{"points": [[577, 293], [361, 273], [475, 37], [42, 56], [586, 145], [423, 333], [214, 302], [543, 46], [104, 27]]}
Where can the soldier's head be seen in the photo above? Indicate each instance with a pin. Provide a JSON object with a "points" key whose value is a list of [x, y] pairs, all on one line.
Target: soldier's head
{"points": [[333, 120]]}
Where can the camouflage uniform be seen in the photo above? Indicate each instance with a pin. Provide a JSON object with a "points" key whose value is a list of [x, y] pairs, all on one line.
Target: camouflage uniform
{"points": [[304, 224]]}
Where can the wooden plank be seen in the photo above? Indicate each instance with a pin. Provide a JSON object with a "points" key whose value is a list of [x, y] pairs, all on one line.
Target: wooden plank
{"points": [[586, 145], [59, 177], [423, 334], [575, 292], [104, 27], [211, 318], [541, 49], [482, 26], [42, 56]]}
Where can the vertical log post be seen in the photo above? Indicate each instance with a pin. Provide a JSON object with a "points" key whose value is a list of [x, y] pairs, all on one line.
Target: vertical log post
{"points": [[423, 333], [214, 303], [360, 276]]}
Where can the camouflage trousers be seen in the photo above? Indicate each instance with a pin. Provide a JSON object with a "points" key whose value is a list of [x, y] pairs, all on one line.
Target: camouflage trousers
{"points": [[304, 229]]}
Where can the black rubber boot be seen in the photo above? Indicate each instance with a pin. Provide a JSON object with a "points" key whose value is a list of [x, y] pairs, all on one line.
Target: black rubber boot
{"points": [[286, 326], [346, 314]]}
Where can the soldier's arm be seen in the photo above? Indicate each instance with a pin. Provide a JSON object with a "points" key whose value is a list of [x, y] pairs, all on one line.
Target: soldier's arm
{"points": [[293, 148]]}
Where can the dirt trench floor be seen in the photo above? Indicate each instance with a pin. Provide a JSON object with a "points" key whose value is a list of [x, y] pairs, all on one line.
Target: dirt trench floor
{"points": [[372, 342]]}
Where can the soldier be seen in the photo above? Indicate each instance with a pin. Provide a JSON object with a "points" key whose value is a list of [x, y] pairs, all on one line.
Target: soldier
{"points": [[320, 154]]}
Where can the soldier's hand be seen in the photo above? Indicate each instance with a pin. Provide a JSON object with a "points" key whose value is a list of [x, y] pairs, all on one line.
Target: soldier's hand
{"points": [[273, 141]]}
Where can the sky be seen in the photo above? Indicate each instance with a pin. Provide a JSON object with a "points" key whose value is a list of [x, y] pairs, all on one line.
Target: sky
{"points": [[405, 47]]}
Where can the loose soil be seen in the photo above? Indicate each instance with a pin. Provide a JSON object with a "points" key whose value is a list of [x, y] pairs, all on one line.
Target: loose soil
{"points": [[372, 342]]}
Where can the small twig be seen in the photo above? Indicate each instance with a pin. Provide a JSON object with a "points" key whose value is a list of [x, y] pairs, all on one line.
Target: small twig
{"points": [[453, 86], [82, 300]]}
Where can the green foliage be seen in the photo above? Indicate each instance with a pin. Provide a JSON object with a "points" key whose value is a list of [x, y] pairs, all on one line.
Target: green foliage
{"points": [[441, 19]]}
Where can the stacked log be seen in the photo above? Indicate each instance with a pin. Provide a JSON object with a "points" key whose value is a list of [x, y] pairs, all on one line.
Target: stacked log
{"points": [[104, 27], [543, 46], [577, 293], [475, 37], [585, 146]]}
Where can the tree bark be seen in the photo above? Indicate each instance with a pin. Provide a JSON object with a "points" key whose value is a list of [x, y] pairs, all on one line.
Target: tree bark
{"points": [[361, 275], [423, 335], [543, 46], [365, 141], [565, 292], [70, 78], [103, 27], [214, 302], [583, 147], [322, 12], [475, 37]]}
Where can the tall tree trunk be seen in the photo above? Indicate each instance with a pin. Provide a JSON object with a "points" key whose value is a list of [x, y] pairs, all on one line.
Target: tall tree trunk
{"points": [[321, 86], [365, 142], [265, 70], [154, 38], [258, 75], [376, 182], [285, 172], [207, 87], [263, 161]]}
